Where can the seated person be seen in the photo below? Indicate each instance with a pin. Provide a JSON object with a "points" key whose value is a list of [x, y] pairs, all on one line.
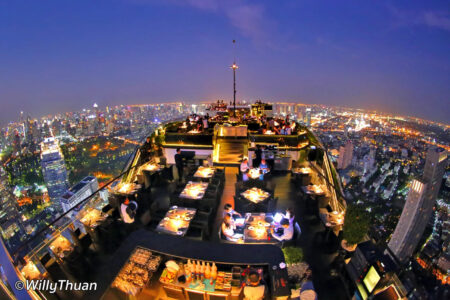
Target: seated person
{"points": [[289, 214], [288, 129], [208, 162], [228, 209], [287, 233], [228, 229], [263, 166], [254, 290], [244, 166], [128, 211]]}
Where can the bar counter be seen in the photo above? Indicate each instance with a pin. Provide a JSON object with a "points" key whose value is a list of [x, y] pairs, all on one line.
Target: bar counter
{"points": [[239, 254]]}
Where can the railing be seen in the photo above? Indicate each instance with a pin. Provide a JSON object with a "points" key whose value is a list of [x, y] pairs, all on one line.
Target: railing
{"points": [[71, 219]]}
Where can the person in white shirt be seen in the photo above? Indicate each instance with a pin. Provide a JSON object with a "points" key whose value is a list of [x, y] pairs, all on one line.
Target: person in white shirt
{"points": [[228, 228], [254, 290], [288, 231], [290, 216], [128, 211], [244, 166]]}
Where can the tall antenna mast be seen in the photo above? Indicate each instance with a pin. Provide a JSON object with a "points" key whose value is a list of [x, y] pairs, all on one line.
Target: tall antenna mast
{"points": [[234, 67]]}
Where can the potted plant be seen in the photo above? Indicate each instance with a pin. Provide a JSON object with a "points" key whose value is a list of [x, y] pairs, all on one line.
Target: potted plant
{"points": [[294, 261], [293, 255]]}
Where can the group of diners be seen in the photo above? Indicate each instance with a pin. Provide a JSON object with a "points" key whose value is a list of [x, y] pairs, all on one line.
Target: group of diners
{"points": [[280, 227], [195, 123]]}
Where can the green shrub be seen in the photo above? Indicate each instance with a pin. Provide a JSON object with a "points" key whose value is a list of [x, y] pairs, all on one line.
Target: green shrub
{"points": [[293, 255], [356, 224]]}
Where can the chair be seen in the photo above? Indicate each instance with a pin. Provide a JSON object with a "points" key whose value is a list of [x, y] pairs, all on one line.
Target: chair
{"points": [[218, 296], [46, 258], [167, 173], [195, 233], [174, 292], [194, 294], [107, 208]]}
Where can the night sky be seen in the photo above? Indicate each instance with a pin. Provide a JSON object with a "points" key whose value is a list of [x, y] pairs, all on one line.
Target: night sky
{"points": [[58, 56]]}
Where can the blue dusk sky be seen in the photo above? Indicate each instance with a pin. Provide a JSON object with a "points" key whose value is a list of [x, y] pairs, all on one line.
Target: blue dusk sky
{"points": [[63, 55]]}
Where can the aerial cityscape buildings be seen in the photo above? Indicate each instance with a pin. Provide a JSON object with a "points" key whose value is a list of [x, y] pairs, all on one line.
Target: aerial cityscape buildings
{"points": [[224, 150], [402, 183], [419, 205], [53, 168]]}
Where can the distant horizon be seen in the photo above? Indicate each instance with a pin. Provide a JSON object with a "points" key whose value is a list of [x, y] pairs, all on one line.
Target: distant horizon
{"points": [[102, 107], [392, 56]]}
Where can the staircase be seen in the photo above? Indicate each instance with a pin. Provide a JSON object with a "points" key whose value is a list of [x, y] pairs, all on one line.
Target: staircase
{"points": [[229, 151]]}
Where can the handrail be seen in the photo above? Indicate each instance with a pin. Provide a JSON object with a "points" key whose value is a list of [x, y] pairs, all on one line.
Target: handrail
{"points": [[127, 168]]}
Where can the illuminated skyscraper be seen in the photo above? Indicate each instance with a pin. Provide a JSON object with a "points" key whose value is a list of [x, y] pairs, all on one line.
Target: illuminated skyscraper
{"points": [[434, 172], [53, 168], [408, 232], [419, 206], [308, 117]]}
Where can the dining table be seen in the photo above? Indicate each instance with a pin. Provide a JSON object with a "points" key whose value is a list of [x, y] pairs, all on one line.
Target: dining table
{"points": [[126, 188], [204, 172], [194, 190], [176, 221], [61, 247], [151, 167], [257, 228], [93, 218], [314, 189], [255, 173], [31, 272], [302, 170], [255, 195]]}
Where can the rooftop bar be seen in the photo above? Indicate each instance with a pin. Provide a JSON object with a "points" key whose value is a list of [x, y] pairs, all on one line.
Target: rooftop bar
{"points": [[206, 204]]}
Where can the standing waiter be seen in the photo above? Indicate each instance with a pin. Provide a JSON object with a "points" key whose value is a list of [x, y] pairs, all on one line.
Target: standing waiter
{"points": [[179, 164]]}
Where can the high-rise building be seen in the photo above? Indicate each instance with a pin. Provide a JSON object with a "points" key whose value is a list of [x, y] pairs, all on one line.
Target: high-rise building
{"points": [[86, 187], [11, 227], [53, 168], [434, 172], [408, 232], [419, 206], [345, 155], [308, 117]]}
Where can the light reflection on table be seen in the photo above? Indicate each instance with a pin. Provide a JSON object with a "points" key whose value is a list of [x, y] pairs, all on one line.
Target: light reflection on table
{"points": [[204, 172], [61, 246], [314, 189], [256, 227], [194, 190], [305, 170], [126, 188], [254, 173], [93, 218], [255, 195], [151, 167], [176, 221], [30, 271]]}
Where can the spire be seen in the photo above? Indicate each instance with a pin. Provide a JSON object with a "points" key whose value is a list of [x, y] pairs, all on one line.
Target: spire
{"points": [[234, 67]]}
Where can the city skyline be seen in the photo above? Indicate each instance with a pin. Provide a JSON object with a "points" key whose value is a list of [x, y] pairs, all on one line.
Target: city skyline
{"points": [[225, 149], [395, 61]]}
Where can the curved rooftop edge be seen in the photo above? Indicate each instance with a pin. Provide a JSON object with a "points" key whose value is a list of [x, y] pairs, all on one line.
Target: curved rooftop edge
{"points": [[225, 143]]}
